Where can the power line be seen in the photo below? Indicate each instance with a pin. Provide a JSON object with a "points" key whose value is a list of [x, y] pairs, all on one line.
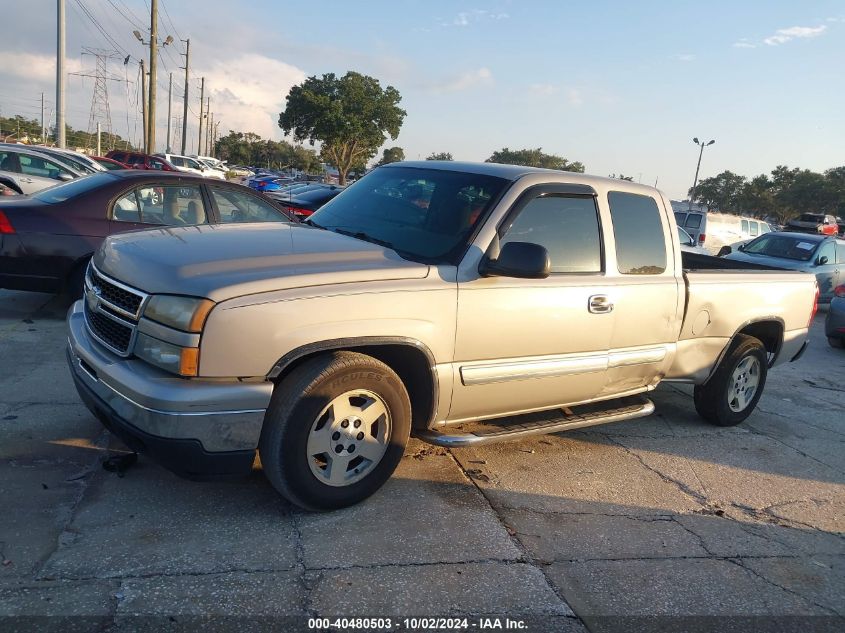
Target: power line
{"points": [[125, 17], [173, 26], [100, 28]]}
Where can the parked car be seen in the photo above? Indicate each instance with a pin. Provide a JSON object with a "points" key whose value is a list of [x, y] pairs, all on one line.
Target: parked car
{"points": [[715, 230], [109, 164], [303, 203], [323, 345], [47, 239], [189, 165], [813, 223], [28, 171], [834, 323], [82, 163], [822, 255], [137, 160]]}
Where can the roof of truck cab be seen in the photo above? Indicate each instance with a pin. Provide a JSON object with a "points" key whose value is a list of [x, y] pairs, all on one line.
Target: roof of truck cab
{"points": [[514, 172]]}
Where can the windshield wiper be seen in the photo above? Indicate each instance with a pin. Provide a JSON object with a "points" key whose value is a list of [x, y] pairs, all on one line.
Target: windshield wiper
{"points": [[367, 238]]}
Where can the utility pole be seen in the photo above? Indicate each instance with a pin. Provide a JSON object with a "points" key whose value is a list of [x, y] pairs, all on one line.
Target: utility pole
{"points": [[150, 126], [43, 140], [208, 135], [98, 139], [185, 104], [151, 110], [60, 74], [144, 102], [202, 98], [169, 111], [207, 129]]}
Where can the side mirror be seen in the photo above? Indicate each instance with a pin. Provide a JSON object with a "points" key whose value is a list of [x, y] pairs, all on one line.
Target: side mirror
{"points": [[65, 176], [741, 247], [522, 260], [821, 261]]}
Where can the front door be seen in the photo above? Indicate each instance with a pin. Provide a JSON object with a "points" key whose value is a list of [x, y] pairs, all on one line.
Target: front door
{"points": [[531, 344]]}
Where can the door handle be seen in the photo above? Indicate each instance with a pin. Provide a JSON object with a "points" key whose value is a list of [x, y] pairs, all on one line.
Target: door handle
{"points": [[600, 304]]}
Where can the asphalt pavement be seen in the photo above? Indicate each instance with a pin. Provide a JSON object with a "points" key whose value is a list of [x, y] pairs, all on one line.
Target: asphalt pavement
{"points": [[663, 523]]}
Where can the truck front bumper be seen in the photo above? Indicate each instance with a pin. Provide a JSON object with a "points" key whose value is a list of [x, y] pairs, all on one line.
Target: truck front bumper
{"points": [[196, 428]]}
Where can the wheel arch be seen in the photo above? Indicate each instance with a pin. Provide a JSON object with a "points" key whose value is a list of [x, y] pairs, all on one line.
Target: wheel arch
{"points": [[769, 330], [412, 361]]}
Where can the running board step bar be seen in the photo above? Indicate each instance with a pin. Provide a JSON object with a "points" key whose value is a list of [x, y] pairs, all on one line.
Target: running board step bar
{"points": [[520, 426]]}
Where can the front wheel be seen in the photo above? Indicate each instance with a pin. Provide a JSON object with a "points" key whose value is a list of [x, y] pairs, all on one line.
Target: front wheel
{"points": [[737, 384], [335, 430]]}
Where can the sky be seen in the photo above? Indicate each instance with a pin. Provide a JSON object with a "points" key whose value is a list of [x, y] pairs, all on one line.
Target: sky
{"points": [[622, 87]]}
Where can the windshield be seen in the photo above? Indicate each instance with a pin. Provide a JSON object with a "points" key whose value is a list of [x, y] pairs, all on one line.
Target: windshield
{"points": [[65, 191], [424, 214], [811, 217], [784, 246], [71, 162]]}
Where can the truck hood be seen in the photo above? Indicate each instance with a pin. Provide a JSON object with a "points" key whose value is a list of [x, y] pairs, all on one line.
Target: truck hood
{"points": [[231, 260]]}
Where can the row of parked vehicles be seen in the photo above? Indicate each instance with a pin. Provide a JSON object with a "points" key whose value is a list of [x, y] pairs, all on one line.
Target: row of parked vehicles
{"points": [[26, 169]]}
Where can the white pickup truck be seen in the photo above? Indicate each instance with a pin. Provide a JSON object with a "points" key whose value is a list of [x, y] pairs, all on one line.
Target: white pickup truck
{"points": [[462, 303]]}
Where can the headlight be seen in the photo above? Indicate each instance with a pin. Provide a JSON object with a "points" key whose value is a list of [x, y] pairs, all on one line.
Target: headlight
{"points": [[183, 361], [183, 313]]}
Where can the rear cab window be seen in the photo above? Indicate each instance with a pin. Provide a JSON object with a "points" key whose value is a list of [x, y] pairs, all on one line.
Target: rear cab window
{"points": [[638, 231]]}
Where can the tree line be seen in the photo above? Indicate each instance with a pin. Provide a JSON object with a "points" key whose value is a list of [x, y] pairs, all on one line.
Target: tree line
{"points": [[19, 128], [248, 148], [783, 194]]}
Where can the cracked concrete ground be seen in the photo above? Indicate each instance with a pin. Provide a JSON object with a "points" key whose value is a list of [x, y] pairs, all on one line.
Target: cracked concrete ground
{"points": [[660, 523]]}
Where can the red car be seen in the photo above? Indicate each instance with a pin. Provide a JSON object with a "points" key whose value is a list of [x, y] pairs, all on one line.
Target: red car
{"points": [[137, 160]]}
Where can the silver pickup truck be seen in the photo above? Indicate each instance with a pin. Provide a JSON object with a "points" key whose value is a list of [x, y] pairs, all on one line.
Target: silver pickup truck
{"points": [[461, 303]]}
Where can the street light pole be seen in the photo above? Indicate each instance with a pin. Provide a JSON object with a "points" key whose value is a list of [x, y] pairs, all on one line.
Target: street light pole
{"points": [[695, 182]]}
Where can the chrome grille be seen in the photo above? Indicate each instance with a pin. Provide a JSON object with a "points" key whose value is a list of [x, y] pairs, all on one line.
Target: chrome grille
{"points": [[114, 334], [112, 310], [120, 297]]}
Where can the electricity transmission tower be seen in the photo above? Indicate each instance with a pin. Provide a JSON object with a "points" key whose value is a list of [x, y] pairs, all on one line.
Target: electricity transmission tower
{"points": [[100, 110]]}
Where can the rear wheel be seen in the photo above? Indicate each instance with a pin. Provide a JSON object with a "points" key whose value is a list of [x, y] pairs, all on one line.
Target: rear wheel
{"points": [[335, 430], [834, 341], [735, 387]]}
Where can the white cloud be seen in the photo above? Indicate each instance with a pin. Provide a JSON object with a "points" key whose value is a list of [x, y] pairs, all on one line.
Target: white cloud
{"points": [[543, 90], [471, 79], [465, 18], [244, 100], [35, 67], [744, 43], [574, 97], [685, 57], [782, 36]]}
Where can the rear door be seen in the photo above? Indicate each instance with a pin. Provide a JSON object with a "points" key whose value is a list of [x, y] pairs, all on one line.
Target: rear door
{"points": [[646, 292]]}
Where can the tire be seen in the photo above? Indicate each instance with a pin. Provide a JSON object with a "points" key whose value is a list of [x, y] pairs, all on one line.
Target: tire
{"points": [[724, 400], [836, 342], [323, 404], [74, 283]]}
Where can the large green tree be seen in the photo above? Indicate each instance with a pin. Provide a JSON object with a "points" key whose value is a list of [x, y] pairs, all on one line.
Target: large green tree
{"points": [[391, 155], [534, 158], [719, 192], [351, 116], [439, 156]]}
